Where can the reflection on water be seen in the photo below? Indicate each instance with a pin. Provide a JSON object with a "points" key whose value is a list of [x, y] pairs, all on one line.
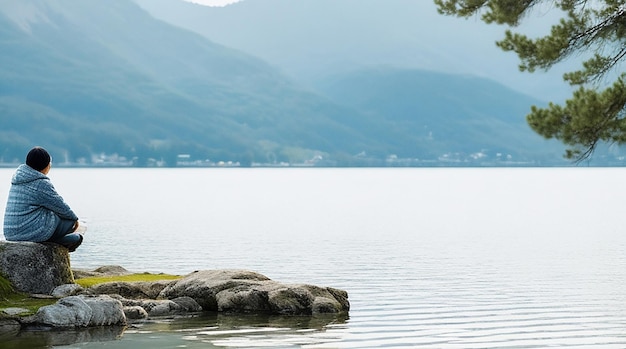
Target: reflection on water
{"points": [[222, 330], [47, 338]]}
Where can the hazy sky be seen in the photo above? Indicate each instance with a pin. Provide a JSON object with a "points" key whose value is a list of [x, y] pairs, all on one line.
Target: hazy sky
{"points": [[213, 2]]}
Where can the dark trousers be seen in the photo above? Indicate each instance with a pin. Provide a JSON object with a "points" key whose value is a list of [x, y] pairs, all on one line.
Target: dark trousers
{"points": [[64, 235]]}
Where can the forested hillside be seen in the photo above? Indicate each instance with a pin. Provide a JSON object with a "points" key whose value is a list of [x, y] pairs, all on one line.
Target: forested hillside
{"points": [[468, 116], [93, 80]]}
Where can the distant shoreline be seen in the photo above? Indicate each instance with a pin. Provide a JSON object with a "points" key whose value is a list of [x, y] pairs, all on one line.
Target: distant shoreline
{"points": [[294, 166]]}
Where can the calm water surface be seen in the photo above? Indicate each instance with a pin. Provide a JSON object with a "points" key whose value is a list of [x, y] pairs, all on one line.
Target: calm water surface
{"points": [[431, 258]]}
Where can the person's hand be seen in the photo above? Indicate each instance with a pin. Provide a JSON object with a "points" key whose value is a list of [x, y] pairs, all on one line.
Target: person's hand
{"points": [[76, 224]]}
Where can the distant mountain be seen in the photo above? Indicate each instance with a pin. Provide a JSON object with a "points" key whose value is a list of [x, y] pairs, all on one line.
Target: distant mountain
{"points": [[85, 78], [90, 76], [441, 114], [309, 39]]}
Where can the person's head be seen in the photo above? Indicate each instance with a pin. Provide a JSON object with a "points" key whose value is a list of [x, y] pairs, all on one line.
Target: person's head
{"points": [[39, 159]]}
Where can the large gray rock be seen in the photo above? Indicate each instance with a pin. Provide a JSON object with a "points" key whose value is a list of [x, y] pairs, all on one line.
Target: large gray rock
{"points": [[166, 307], [106, 311], [35, 267], [159, 307], [132, 290], [246, 291], [106, 270], [66, 290], [81, 311]]}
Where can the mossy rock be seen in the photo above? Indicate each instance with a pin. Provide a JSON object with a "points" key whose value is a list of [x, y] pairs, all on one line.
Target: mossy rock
{"points": [[35, 268]]}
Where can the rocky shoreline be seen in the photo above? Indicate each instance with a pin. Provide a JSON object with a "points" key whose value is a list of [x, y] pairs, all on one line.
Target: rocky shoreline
{"points": [[119, 303]]}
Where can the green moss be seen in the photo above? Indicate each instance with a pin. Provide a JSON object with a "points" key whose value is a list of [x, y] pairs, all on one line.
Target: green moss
{"points": [[9, 298], [90, 281], [5, 288], [21, 300]]}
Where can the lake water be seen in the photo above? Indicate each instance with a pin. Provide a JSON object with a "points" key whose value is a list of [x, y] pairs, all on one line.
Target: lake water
{"points": [[431, 258]]}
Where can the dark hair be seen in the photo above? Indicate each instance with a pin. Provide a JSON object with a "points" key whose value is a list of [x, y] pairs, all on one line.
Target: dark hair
{"points": [[38, 158]]}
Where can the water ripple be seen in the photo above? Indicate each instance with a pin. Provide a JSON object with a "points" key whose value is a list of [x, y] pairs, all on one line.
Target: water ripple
{"points": [[464, 258]]}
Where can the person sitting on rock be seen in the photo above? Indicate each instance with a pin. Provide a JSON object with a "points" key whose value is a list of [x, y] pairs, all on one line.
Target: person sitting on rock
{"points": [[35, 211]]}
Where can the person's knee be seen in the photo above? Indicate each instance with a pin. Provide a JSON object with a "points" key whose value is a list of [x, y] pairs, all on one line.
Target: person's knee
{"points": [[77, 243], [71, 241]]}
